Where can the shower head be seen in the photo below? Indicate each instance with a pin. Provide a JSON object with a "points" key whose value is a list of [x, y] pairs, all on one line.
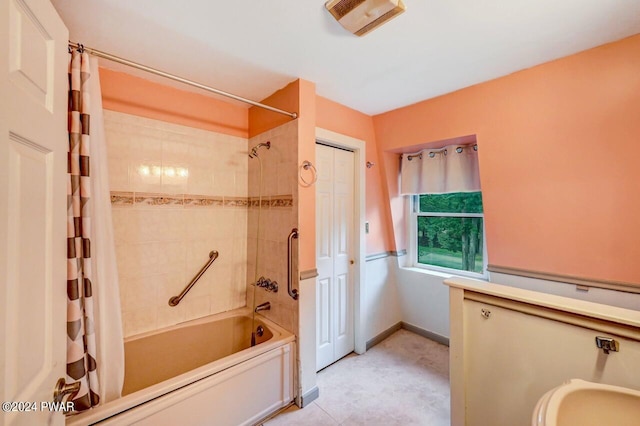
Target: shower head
{"points": [[254, 150]]}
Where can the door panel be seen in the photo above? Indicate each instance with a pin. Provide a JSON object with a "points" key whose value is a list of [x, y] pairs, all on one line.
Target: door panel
{"points": [[324, 235], [324, 321], [324, 254], [342, 224], [28, 168], [33, 156], [31, 51], [335, 252], [341, 311]]}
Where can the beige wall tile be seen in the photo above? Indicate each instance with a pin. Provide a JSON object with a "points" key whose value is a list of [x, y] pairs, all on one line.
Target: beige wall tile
{"points": [[168, 285], [154, 225], [119, 179], [170, 315], [197, 307], [139, 321], [224, 181], [120, 220], [145, 175], [201, 180], [160, 248]]}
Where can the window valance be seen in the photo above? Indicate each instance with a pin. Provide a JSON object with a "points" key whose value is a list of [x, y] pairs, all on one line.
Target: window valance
{"points": [[453, 168]]}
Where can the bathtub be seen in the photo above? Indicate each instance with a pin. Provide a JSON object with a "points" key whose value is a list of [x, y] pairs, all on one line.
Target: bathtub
{"points": [[202, 372]]}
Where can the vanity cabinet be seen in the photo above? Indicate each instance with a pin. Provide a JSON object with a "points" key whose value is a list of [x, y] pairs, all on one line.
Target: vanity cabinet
{"points": [[510, 346]]}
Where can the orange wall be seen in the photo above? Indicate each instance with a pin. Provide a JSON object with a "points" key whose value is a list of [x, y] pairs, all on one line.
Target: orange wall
{"points": [[287, 99], [336, 117], [316, 111], [307, 195], [133, 95], [559, 160], [298, 96]]}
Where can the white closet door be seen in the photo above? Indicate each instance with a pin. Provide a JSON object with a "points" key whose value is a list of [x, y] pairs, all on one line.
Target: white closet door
{"points": [[334, 236], [33, 205]]}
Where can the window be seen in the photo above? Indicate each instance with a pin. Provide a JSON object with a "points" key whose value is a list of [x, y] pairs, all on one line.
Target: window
{"points": [[448, 232]]}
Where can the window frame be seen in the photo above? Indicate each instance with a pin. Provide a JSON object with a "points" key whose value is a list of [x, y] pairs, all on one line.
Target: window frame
{"points": [[414, 208]]}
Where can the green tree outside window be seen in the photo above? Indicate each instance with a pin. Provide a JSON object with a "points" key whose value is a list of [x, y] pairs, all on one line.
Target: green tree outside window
{"points": [[454, 242]]}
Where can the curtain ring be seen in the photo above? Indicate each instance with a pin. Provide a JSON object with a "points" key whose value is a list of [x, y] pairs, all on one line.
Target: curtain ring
{"points": [[306, 165], [432, 154], [459, 149], [475, 147]]}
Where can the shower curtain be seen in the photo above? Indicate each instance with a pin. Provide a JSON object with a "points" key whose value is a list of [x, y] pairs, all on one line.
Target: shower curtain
{"points": [[95, 351]]}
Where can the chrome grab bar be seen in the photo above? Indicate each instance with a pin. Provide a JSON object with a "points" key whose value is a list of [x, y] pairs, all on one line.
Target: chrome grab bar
{"points": [[213, 255], [292, 292]]}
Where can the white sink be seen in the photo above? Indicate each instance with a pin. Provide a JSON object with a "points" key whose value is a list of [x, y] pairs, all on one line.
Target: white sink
{"points": [[578, 402]]}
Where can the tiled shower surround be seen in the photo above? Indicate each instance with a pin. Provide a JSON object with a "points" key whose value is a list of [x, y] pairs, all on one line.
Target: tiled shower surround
{"points": [[279, 182], [177, 193]]}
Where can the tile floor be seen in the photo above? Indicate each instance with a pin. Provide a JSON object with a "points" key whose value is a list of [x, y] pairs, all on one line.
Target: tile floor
{"points": [[404, 380]]}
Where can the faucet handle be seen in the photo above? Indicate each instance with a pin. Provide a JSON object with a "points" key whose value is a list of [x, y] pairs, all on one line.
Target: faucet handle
{"points": [[267, 284]]}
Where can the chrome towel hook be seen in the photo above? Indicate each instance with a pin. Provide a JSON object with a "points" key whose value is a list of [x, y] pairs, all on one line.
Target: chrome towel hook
{"points": [[307, 165]]}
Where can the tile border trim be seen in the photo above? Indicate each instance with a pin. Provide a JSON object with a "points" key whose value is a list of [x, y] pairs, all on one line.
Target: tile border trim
{"points": [[130, 198], [273, 201]]}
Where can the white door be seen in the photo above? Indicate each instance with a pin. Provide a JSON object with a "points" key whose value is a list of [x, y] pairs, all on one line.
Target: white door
{"points": [[33, 204], [335, 254]]}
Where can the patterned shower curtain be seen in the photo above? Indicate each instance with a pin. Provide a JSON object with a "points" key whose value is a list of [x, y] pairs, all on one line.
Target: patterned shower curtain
{"points": [[81, 338]]}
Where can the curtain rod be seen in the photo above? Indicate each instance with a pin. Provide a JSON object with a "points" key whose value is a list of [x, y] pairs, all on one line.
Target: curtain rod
{"points": [[411, 155], [132, 64]]}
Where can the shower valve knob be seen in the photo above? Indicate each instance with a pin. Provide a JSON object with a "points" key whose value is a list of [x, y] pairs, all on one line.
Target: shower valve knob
{"points": [[267, 284]]}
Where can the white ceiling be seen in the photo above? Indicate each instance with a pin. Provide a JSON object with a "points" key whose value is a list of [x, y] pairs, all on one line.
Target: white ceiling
{"points": [[254, 47]]}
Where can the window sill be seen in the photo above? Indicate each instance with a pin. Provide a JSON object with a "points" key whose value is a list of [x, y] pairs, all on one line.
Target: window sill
{"points": [[439, 274]]}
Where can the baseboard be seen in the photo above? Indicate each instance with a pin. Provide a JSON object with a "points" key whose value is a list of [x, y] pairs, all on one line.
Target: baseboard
{"points": [[274, 414], [380, 337], [425, 333], [409, 327], [310, 396]]}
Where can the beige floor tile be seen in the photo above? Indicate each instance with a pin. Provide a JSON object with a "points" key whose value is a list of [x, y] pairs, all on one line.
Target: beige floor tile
{"points": [[403, 380]]}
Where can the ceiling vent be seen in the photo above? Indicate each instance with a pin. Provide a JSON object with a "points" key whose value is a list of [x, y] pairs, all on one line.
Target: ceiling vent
{"points": [[362, 16]]}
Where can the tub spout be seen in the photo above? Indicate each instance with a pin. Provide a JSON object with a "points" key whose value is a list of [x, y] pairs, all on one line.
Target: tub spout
{"points": [[263, 307]]}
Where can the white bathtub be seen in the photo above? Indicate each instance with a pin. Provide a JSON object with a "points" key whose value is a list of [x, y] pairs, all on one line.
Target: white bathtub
{"points": [[202, 372]]}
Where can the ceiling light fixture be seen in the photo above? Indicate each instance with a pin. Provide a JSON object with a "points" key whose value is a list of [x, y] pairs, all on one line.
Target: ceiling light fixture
{"points": [[362, 16]]}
